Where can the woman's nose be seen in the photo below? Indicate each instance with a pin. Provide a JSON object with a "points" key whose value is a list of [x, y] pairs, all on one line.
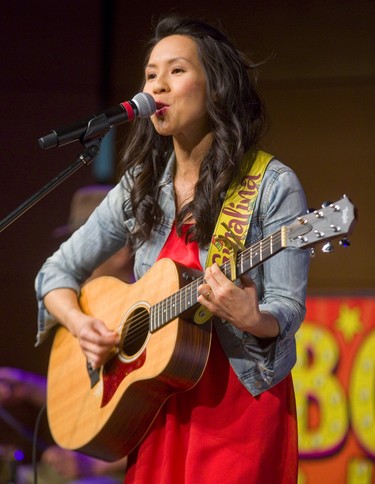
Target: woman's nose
{"points": [[160, 84]]}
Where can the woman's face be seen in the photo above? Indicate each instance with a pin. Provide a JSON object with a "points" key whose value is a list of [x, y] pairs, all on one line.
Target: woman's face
{"points": [[174, 76]]}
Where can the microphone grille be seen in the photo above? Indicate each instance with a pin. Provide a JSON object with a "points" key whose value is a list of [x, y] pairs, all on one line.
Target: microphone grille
{"points": [[145, 103]]}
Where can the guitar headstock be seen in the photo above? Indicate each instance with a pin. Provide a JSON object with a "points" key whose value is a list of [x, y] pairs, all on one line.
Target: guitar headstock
{"points": [[330, 222]]}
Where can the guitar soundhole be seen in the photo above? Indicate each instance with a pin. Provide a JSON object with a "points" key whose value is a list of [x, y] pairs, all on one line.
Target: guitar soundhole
{"points": [[135, 331]]}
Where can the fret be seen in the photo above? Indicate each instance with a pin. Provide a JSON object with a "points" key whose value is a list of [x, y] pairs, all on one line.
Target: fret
{"points": [[191, 298], [168, 308], [152, 313], [163, 311], [173, 306], [255, 256], [187, 291], [154, 318], [187, 296], [265, 245], [194, 295], [242, 267], [162, 314], [226, 269], [178, 311]]}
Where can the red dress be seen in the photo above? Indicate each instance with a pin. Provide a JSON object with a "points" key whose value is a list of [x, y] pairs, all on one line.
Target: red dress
{"points": [[217, 431]]}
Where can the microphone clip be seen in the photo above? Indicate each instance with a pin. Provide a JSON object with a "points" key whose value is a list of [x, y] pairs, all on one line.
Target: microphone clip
{"points": [[97, 128]]}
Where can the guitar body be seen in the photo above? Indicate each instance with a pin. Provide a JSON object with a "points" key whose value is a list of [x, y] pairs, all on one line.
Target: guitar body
{"points": [[109, 418]]}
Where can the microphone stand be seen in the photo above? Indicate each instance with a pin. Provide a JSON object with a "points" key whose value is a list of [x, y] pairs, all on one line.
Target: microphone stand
{"points": [[97, 128]]}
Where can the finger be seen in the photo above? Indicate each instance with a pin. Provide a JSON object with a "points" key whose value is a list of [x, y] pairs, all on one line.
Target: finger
{"points": [[208, 293], [97, 352], [98, 334], [246, 280], [211, 279], [97, 349], [103, 330], [91, 365], [95, 360], [216, 277], [205, 290]]}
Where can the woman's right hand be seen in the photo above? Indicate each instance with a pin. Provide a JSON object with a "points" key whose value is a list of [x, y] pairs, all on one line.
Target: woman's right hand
{"points": [[96, 340]]}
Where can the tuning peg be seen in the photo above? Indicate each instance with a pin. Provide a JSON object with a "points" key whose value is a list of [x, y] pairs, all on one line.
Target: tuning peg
{"points": [[327, 248], [345, 242]]}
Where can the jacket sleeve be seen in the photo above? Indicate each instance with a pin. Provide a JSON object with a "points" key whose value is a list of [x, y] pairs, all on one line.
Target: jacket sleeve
{"points": [[283, 281], [101, 236]]}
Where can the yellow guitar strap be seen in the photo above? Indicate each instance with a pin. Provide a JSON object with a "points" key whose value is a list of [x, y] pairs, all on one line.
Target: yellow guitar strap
{"points": [[234, 219]]}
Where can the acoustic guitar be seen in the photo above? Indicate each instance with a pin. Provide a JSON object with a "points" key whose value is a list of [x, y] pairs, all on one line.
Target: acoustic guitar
{"points": [[106, 413]]}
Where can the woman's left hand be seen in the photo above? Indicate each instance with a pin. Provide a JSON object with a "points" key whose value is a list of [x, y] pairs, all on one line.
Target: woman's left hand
{"points": [[236, 303]]}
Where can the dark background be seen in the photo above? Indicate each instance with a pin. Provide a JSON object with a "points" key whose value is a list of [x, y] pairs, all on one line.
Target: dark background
{"points": [[64, 60]]}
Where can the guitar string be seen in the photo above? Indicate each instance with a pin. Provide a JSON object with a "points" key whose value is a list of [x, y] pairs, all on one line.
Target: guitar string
{"points": [[136, 323]]}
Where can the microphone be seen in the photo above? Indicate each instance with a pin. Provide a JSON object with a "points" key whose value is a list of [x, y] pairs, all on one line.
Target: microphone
{"points": [[141, 106]]}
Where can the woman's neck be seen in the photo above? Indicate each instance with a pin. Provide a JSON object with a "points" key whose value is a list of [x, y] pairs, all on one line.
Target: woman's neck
{"points": [[189, 156]]}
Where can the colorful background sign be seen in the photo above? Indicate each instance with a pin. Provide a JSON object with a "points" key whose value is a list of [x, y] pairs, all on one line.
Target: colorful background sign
{"points": [[334, 382]]}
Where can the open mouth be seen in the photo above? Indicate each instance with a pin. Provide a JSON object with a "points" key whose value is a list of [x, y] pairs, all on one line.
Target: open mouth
{"points": [[161, 109]]}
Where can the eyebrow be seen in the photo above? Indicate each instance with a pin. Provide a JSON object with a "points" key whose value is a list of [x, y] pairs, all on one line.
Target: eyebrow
{"points": [[170, 61]]}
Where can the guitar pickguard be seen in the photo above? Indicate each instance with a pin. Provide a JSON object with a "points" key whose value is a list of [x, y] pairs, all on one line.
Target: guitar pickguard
{"points": [[114, 373]]}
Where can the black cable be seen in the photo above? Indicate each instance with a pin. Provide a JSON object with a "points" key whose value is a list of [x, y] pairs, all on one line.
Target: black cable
{"points": [[14, 424], [35, 443]]}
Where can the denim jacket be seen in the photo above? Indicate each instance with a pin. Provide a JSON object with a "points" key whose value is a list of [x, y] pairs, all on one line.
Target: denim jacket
{"points": [[281, 281]]}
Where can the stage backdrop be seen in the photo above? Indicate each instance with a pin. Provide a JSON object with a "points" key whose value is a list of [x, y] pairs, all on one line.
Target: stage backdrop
{"points": [[335, 391]]}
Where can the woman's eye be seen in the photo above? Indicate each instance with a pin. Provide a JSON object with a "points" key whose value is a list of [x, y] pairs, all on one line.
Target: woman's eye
{"points": [[177, 70], [150, 76]]}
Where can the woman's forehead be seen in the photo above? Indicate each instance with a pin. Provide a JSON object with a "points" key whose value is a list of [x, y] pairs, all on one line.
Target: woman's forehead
{"points": [[174, 47]]}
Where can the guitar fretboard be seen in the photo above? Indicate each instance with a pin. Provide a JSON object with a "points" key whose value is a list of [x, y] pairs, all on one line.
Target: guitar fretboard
{"points": [[187, 298]]}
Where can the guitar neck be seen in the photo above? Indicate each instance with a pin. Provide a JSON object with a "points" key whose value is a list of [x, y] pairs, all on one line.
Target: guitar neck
{"points": [[186, 298]]}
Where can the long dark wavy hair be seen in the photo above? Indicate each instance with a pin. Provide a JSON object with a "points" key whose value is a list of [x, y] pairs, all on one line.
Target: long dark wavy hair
{"points": [[238, 121]]}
